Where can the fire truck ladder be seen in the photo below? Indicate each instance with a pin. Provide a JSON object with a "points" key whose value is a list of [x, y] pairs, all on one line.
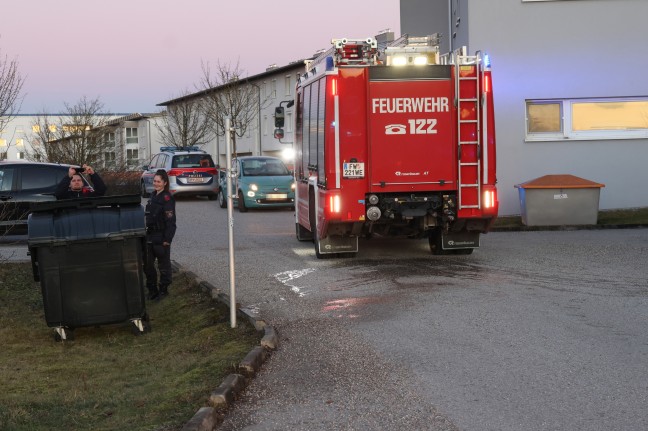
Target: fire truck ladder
{"points": [[468, 72]]}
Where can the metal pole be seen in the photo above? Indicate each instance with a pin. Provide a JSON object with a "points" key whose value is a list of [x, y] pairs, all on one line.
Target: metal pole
{"points": [[230, 222]]}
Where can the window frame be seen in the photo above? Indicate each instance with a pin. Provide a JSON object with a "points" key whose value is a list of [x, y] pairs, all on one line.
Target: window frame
{"points": [[568, 133], [131, 135]]}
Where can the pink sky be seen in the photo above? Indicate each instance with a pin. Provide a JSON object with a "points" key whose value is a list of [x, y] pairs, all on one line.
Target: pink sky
{"points": [[134, 54]]}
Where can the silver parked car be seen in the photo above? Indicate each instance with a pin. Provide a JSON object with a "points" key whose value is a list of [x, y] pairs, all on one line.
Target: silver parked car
{"points": [[191, 171]]}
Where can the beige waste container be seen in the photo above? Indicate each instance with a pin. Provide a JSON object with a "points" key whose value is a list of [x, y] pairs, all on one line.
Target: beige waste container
{"points": [[555, 200]]}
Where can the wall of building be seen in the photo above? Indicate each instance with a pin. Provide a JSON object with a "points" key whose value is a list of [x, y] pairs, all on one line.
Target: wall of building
{"points": [[20, 128], [274, 87], [16, 131], [424, 17], [562, 49]]}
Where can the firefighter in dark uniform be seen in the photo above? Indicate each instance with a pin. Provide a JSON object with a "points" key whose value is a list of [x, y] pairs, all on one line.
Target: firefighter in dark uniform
{"points": [[160, 229]]}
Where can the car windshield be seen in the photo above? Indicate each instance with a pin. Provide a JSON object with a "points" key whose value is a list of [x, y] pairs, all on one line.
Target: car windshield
{"points": [[192, 161], [263, 167]]}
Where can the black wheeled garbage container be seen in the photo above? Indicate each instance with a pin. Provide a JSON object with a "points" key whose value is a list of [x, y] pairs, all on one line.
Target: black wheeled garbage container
{"points": [[88, 256]]}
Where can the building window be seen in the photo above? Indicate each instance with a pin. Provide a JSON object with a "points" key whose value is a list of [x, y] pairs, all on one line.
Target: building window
{"points": [[35, 128], [20, 142], [131, 135], [109, 159], [3, 155], [288, 84], [20, 155], [586, 119], [3, 142], [132, 156], [273, 88], [52, 128], [74, 128], [109, 138]]}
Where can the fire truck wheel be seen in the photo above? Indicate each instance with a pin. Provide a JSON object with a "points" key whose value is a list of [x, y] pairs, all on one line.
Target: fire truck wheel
{"points": [[222, 200], [347, 255], [302, 233], [464, 251], [435, 244], [241, 203]]}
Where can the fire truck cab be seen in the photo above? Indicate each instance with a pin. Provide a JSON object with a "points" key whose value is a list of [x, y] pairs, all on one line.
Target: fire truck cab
{"points": [[394, 141]]}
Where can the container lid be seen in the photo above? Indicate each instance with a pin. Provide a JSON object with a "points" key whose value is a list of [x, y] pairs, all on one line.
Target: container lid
{"points": [[87, 203], [564, 181]]}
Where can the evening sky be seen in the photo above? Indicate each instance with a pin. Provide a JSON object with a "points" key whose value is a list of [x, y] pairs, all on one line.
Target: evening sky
{"points": [[134, 54]]}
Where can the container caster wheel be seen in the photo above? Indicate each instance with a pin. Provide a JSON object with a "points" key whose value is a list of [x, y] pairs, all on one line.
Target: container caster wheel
{"points": [[141, 326], [63, 334]]}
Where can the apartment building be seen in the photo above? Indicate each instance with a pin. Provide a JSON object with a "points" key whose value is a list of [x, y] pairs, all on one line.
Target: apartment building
{"points": [[569, 85], [130, 139], [269, 89]]}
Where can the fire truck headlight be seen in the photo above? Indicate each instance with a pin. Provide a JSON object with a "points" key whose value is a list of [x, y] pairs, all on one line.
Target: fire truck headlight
{"points": [[420, 60], [373, 213], [399, 61], [372, 199], [253, 187]]}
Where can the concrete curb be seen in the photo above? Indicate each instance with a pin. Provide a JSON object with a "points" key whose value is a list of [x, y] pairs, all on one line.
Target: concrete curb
{"points": [[210, 417], [567, 227]]}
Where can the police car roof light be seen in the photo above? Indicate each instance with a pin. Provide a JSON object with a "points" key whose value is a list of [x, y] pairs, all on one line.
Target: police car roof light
{"points": [[175, 149]]}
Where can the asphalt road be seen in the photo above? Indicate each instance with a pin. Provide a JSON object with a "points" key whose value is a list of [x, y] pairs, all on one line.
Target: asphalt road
{"points": [[534, 331]]}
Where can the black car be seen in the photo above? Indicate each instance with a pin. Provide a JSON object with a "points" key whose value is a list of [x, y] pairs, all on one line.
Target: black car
{"points": [[22, 183]]}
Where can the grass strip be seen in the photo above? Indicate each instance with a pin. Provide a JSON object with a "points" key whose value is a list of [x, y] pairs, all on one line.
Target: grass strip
{"points": [[107, 378]]}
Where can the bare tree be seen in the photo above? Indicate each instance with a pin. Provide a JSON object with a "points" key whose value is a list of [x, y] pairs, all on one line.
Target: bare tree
{"points": [[186, 123], [227, 94], [11, 83], [76, 137]]}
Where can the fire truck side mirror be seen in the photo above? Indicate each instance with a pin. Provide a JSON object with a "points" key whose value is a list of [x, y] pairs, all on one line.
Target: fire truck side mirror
{"points": [[278, 133], [279, 116]]}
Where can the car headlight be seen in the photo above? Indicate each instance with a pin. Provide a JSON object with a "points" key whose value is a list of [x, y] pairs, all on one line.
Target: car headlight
{"points": [[253, 187]]}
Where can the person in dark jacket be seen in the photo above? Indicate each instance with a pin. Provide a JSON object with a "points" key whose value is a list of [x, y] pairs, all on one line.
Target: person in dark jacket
{"points": [[160, 229], [72, 185]]}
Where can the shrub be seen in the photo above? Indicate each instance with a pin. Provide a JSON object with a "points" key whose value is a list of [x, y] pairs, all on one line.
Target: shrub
{"points": [[121, 182]]}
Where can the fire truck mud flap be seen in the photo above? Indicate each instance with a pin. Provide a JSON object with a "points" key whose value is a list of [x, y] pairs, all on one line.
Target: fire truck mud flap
{"points": [[338, 244], [459, 240]]}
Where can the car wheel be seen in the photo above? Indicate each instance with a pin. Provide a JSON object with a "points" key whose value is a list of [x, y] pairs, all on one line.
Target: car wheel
{"points": [[145, 194], [241, 203], [222, 200]]}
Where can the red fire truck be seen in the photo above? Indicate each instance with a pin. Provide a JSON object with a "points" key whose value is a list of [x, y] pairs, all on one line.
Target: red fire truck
{"points": [[394, 141]]}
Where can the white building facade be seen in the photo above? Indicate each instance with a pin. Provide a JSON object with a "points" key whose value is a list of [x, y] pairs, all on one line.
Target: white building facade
{"points": [[569, 84], [133, 138], [272, 88]]}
